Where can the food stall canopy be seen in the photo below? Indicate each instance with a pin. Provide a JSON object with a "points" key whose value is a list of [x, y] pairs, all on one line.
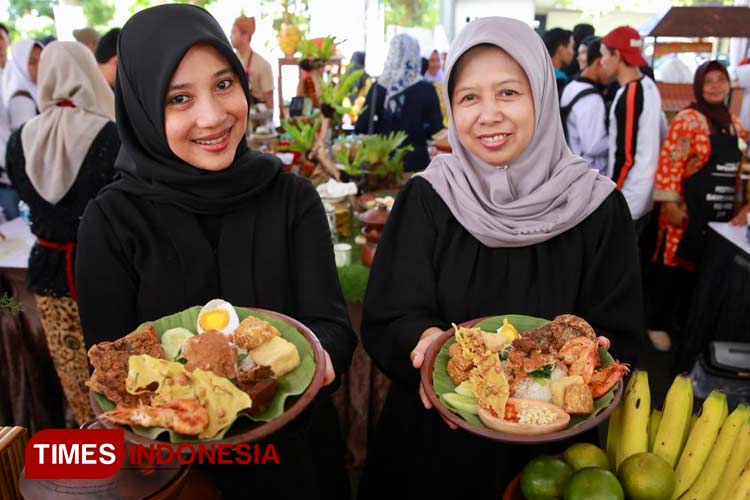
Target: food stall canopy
{"points": [[699, 22]]}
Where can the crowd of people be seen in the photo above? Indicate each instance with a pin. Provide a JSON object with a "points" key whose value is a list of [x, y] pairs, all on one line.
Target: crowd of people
{"points": [[566, 192]]}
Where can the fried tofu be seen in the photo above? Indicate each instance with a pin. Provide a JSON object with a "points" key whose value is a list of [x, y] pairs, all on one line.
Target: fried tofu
{"points": [[211, 351], [110, 362], [578, 400], [254, 332], [278, 353]]}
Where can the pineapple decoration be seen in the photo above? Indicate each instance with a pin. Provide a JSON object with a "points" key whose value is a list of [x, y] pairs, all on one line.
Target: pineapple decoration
{"points": [[289, 36]]}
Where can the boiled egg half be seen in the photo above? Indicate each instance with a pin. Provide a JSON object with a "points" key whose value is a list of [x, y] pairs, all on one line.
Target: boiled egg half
{"points": [[218, 315]]}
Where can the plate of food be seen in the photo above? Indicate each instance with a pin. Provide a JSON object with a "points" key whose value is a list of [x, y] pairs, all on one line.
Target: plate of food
{"points": [[263, 133], [520, 379], [216, 373]]}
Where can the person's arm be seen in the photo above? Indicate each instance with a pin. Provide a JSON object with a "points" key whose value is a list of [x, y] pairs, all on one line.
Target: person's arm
{"points": [[105, 282], [610, 296], [742, 132], [401, 301], [638, 135], [590, 119], [20, 110], [433, 116], [320, 302]]}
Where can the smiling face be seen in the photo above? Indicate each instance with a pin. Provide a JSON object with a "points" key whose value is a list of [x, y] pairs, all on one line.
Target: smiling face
{"points": [[36, 53], [583, 53], [434, 63], [205, 110], [715, 87], [493, 108]]}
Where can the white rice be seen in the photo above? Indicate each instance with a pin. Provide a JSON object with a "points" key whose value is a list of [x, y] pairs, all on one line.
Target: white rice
{"points": [[538, 389]]}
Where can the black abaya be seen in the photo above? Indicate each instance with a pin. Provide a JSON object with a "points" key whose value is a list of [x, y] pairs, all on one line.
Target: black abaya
{"points": [[429, 271]]}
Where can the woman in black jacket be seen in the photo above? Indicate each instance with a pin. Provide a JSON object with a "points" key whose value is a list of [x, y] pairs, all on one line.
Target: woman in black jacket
{"points": [[196, 215]]}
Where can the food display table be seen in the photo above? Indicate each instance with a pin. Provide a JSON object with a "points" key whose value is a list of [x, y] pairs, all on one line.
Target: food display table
{"points": [[30, 393], [721, 301]]}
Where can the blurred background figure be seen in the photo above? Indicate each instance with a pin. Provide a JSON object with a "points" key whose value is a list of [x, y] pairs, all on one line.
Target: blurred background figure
{"points": [[58, 161], [21, 98], [584, 113], [582, 53], [21, 104], [434, 72], [258, 70], [403, 100], [635, 118], [580, 33], [695, 183], [106, 55], [87, 36], [559, 43]]}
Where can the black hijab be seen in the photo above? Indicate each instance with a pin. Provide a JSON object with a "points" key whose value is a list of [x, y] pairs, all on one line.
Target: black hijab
{"points": [[718, 114], [150, 47]]}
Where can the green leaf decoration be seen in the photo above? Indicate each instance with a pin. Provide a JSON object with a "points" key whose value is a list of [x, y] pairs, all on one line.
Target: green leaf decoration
{"points": [[443, 383], [291, 384]]}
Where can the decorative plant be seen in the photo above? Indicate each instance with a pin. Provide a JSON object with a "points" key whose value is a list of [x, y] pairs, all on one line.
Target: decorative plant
{"points": [[377, 160], [8, 303], [385, 155], [302, 132], [333, 95], [351, 155], [322, 48]]}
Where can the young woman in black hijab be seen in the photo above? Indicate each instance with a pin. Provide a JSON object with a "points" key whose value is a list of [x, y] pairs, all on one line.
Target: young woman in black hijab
{"points": [[195, 215]]}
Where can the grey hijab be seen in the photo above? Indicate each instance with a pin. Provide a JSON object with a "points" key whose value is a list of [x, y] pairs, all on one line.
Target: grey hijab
{"points": [[545, 191]]}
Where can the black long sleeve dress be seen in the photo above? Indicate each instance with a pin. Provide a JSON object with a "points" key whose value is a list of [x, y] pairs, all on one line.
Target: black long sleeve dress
{"points": [[429, 271], [47, 274], [139, 260]]}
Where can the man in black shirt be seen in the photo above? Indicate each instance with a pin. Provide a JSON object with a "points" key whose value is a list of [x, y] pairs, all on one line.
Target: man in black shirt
{"points": [[559, 43]]}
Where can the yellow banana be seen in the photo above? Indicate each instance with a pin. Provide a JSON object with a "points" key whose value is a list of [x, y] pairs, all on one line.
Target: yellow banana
{"points": [[635, 416], [708, 479], [678, 408], [699, 443], [653, 426], [739, 457], [741, 488], [614, 430]]}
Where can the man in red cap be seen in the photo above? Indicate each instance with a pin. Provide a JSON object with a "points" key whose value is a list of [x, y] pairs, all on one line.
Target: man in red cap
{"points": [[634, 122]]}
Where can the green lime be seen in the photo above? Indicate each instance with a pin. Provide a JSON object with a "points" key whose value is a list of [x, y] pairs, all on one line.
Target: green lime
{"points": [[582, 455], [544, 478], [646, 476], [173, 340], [593, 484]]}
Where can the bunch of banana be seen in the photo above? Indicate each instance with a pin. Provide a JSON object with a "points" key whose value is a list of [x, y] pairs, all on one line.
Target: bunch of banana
{"points": [[740, 490], [700, 442], [636, 411], [675, 422], [737, 460], [708, 479]]}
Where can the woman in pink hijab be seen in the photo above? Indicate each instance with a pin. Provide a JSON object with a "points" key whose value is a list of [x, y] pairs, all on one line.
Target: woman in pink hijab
{"points": [[510, 223]]}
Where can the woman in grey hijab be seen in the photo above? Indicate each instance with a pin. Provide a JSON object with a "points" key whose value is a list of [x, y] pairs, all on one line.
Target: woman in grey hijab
{"points": [[510, 223]]}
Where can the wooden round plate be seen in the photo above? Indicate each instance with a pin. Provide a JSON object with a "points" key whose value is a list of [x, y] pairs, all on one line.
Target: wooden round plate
{"points": [[244, 430], [428, 367]]}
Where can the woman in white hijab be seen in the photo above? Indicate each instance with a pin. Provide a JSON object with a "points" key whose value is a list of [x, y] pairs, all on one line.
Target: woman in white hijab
{"points": [[510, 223], [58, 161], [21, 95]]}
